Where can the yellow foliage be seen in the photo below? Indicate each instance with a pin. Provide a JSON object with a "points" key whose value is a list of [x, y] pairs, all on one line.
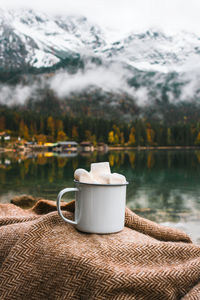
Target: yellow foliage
{"points": [[116, 139], [193, 130], [61, 136], [26, 133], [150, 136], [51, 125], [122, 140], [197, 141], [59, 125], [111, 138], [169, 136], [74, 132], [132, 139], [23, 130], [90, 137], [41, 139], [2, 123]]}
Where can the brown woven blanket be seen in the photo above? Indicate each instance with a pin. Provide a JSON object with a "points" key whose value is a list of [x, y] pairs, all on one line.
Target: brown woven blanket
{"points": [[42, 257]]}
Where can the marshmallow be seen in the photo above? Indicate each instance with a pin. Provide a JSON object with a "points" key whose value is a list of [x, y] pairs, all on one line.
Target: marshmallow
{"points": [[100, 168], [116, 178], [100, 174], [102, 178], [84, 176], [113, 178], [87, 178], [78, 173]]}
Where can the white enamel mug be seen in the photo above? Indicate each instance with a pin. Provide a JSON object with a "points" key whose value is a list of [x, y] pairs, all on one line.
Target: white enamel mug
{"points": [[99, 208]]}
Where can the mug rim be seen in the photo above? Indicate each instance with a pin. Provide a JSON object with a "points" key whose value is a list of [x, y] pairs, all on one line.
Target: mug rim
{"points": [[101, 184]]}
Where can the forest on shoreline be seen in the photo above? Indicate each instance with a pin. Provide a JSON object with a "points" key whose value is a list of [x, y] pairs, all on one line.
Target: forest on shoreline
{"points": [[33, 126]]}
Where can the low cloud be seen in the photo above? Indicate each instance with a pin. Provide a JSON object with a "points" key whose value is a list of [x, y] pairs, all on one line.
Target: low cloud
{"points": [[108, 79], [191, 78], [111, 78], [10, 95], [124, 15]]}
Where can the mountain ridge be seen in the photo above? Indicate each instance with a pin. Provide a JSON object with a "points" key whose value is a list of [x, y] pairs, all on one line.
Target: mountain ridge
{"points": [[57, 37], [149, 66]]}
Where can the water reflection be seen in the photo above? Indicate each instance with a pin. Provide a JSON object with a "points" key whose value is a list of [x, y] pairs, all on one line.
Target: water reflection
{"points": [[163, 185]]}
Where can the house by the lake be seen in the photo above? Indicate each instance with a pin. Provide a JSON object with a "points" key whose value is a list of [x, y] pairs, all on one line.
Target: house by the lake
{"points": [[4, 136], [102, 147], [50, 147], [67, 146], [87, 146]]}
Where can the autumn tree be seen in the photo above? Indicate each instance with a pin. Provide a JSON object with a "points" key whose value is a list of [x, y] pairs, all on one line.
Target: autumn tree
{"points": [[111, 138], [41, 130], [197, 141], [90, 137], [132, 139], [23, 130], [33, 130], [150, 134], [116, 139], [117, 134], [51, 126], [61, 136], [193, 133], [59, 126], [26, 132], [122, 140], [41, 139], [2, 123], [74, 133], [169, 136]]}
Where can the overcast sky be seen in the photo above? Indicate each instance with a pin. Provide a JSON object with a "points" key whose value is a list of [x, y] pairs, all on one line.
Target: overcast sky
{"points": [[124, 15]]}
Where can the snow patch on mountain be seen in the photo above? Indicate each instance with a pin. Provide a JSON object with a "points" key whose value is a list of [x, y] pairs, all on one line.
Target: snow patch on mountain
{"points": [[149, 65], [61, 36], [41, 59]]}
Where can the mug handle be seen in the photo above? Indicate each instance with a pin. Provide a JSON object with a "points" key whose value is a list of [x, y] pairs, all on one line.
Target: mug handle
{"points": [[58, 204]]}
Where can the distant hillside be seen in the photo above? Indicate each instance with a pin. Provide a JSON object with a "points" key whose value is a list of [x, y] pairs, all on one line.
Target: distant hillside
{"points": [[145, 73]]}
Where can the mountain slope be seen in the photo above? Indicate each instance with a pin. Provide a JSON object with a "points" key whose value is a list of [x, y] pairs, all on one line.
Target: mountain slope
{"points": [[37, 40], [149, 66], [42, 41]]}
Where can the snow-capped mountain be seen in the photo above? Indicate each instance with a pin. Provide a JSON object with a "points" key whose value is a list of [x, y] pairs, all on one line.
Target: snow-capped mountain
{"points": [[149, 64], [39, 40]]}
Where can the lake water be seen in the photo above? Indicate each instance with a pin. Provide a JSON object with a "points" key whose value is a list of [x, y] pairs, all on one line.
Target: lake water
{"points": [[164, 185]]}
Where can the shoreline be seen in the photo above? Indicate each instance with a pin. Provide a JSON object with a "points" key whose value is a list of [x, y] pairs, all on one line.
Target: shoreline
{"points": [[154, 148], [110, 148]]}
